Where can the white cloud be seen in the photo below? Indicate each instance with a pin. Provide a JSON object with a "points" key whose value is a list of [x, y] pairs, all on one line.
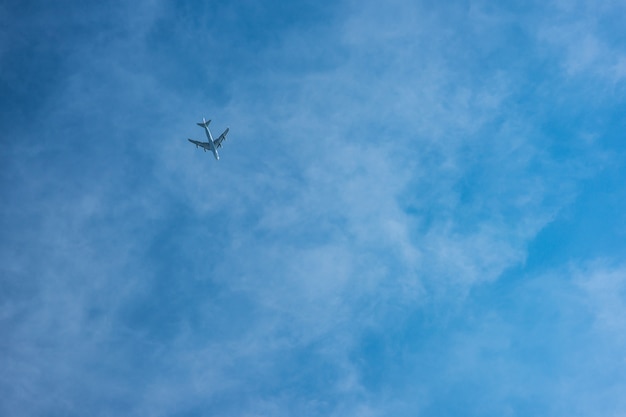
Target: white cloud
{"points": [[387, 180], [580, 38], [604, 288]]}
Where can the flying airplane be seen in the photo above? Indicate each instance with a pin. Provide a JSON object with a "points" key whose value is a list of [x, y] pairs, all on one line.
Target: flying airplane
{"points": [[211, 145]]}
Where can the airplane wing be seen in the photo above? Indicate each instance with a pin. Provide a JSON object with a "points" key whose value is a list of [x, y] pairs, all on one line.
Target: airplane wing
{"points": [[218, 141]]}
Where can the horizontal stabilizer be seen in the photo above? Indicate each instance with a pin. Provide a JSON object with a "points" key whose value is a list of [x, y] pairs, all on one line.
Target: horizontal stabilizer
{"points": [[204, 123]]}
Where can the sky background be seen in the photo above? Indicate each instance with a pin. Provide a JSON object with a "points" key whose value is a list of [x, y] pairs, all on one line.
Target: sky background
{"points": [[420, 209]]}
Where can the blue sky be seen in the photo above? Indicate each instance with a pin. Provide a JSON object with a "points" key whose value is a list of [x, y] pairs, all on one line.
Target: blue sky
{"points": [[419, 211]]}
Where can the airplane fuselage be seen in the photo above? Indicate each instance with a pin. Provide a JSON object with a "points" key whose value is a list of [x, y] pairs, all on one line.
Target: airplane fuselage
{"points": [[211, 145]]}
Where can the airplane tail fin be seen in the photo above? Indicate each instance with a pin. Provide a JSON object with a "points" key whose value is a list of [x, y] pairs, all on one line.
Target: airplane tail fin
{"points": [[204, 123]]}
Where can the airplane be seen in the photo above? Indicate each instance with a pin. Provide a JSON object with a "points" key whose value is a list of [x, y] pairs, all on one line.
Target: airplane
{"points": [[211, 145]]}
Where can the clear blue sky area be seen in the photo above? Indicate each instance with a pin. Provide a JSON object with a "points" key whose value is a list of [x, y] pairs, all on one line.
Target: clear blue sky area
{"points": [[420, 209]]}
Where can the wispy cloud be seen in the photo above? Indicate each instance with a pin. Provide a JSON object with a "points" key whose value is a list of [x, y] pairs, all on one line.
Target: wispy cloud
{"points": [[360, 249]]}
